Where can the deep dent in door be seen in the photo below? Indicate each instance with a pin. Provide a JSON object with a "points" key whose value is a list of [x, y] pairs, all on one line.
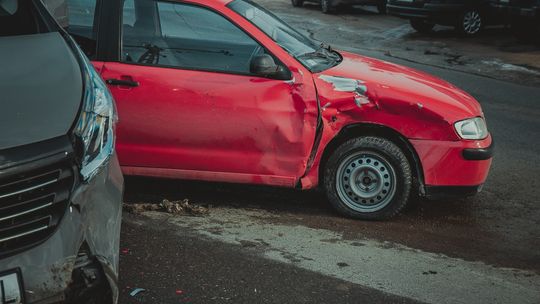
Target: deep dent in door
{"points": [[271, 147]]}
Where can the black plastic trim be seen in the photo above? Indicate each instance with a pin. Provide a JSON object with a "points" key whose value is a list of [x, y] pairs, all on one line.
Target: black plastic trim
{"points": [[441, 192], [36, 155], [480, 154], [109, 27]]}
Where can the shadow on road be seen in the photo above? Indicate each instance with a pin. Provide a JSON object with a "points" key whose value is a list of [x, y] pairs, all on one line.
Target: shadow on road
{"points": [[272, 199]]}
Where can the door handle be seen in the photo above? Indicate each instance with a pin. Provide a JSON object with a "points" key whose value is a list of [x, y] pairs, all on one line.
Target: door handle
{"points": [[121, 82]]}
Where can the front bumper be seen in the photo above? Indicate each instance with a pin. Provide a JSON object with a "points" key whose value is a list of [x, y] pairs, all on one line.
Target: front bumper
{"points": [[93, 218], [426, 11], [464, 163], [517, 11]]}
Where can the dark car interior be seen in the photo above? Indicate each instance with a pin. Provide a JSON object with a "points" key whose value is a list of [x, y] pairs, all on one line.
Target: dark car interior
{"points": [[184, 36], [18, 17]]}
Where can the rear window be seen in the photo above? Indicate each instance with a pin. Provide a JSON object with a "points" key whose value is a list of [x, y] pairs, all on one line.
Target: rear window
{"points": [[19, 17]]}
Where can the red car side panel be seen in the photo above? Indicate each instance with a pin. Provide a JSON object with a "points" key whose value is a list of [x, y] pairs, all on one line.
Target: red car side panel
{"points": [[405, 100], [222, 127], [211, 126], [415, 104]]}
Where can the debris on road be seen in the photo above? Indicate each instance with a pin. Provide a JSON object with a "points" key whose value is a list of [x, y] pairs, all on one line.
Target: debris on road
{"points": [[136, 291], [172, 207]]}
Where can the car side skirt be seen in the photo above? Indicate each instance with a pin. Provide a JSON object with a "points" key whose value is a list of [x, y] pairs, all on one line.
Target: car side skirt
{"points": [[227, 177]]}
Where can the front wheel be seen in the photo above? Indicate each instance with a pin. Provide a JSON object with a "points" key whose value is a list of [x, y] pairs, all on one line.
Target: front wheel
{"points": [[470, 22], [421, 25], [368, 178]]}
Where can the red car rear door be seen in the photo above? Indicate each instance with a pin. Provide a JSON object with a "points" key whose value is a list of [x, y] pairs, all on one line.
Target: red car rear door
{"points": [[190, 108]]}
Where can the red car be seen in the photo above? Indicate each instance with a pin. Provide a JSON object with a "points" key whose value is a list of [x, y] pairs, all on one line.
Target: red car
{"points": [[225, 91]]}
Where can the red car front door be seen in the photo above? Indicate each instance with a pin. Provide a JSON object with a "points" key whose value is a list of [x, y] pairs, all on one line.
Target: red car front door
{"points": [[189, 107]]}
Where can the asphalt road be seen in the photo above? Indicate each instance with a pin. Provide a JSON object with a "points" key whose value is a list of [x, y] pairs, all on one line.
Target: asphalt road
{"points": [[268, 245], [179, 267]]}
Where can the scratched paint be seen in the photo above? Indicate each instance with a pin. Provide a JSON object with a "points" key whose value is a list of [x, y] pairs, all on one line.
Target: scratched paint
{"points": [[344, 84], [418, 106], [203, 125]]}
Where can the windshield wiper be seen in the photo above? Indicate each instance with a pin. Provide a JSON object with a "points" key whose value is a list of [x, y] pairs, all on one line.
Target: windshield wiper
{"points": [[327, 48], [316, 54]]}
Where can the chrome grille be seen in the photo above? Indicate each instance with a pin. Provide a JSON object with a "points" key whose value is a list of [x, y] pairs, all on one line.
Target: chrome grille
{"points": [[32, 205]]}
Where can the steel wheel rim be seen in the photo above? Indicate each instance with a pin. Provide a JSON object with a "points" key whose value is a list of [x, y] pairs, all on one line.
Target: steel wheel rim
{"points": [[366, 182], [472, 22]]}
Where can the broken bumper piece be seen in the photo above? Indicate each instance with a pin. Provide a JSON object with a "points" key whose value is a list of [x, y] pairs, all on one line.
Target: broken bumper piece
{"points": [[86, 239]]}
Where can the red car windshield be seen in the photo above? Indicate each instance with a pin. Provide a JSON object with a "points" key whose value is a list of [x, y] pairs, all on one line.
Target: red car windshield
{"points": [[314, 56]]}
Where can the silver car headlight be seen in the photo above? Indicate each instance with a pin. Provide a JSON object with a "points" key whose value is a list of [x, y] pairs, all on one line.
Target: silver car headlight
{"points": [[95, 128], [472, 128]]}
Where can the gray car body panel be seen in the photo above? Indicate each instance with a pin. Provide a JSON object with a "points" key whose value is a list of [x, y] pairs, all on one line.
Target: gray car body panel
{"points": [[41, 91], [94, 218], [40, 88]]}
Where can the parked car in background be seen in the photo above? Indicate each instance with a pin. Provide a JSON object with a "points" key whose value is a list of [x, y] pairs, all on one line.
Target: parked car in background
{"points": [[225, 91], [524, 17], [60, 181], [327, 6], [467, 16]]}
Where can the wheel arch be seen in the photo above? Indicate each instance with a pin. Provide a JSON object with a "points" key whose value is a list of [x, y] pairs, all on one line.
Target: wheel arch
{"points": [[369, 129]]}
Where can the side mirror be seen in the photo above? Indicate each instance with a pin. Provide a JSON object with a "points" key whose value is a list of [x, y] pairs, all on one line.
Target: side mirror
{"points": [[265, 66], [8, 7]]}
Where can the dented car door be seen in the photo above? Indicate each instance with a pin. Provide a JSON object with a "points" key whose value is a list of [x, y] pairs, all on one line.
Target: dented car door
{"points": [[192, 107]]}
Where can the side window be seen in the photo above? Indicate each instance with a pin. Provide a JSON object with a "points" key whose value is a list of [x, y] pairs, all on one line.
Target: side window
{"points": [[82, 24], [18, 17], [185, 36], [128, 18]]}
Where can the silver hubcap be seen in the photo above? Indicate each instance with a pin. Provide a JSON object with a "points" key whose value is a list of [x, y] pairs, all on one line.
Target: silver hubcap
{"points": [[472, 22], [365, 182]]}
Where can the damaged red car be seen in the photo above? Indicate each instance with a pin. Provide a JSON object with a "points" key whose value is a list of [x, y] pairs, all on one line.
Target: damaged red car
{"points": [[226, 91]]}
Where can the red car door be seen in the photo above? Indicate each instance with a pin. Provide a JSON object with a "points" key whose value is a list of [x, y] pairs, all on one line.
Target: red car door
{"points": [[189, 107]]}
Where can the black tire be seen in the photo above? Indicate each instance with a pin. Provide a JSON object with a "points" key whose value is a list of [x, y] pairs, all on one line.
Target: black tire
{"points": [[421, 25], [326, 6], [470, 22], [381, 7], [297, 3], [385, 157]]}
